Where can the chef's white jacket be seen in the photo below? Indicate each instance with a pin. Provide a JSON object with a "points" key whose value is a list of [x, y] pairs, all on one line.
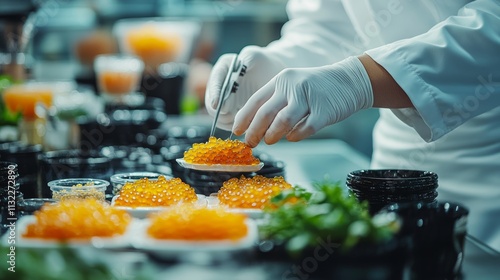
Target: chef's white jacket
{"points": [[446, 56]]}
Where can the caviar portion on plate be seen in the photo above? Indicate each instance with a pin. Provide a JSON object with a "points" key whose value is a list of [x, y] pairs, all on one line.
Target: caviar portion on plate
{"points": [[77, 219], [152, 193], [250, 192], [79, 191], [197, 223], [219, 151]]}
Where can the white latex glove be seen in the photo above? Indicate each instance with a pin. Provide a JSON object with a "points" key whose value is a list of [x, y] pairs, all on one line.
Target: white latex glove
{"points": [[261, 67], [300, 101]]}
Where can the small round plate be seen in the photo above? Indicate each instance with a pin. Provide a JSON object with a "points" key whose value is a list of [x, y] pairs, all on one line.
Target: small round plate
{"points": [[165, 248], [119, 241], [142, 212], [213, 201], [220, 167]]}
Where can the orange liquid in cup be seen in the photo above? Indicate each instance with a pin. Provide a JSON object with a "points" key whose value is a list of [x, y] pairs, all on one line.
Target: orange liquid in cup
{"points": [[23, 99], [153, 46], [118, 82]]}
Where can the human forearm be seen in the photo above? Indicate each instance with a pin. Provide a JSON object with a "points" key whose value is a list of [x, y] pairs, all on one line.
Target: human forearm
{"points": [[386, 92]]}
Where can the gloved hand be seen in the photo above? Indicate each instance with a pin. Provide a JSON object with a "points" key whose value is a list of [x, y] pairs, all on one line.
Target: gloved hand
{"points": [[300, 101], [261, 67]]}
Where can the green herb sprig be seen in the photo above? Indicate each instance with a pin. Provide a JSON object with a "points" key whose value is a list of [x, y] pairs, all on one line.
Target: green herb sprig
{"points": [[301, 219]]}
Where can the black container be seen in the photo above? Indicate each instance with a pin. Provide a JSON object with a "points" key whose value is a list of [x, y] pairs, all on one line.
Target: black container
{"points": [[386, 186], [166, 88], [173, 136], [29, 206], [173, 152], [127, 158], [385, 261], [74, 164], [26, 157], [118, 127], [150, 103], [208, 182], [437, 232]]}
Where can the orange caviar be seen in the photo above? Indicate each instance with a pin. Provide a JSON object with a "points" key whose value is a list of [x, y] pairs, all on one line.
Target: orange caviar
{"points": [[161, 192], [195, 223], [251, 192], [78, 218], [218, 151]]}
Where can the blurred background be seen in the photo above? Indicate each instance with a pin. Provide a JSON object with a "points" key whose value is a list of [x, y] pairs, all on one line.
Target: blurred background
{"points": [[55, 94]]}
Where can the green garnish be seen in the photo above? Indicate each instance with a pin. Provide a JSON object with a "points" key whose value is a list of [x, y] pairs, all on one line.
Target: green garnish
{"points": [[301, 219]]}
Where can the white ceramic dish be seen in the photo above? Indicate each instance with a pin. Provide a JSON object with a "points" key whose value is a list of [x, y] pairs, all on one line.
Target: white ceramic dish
{"points": [[171, 248], [143, 212], [213, 201], [122, 241], [220, 167]]}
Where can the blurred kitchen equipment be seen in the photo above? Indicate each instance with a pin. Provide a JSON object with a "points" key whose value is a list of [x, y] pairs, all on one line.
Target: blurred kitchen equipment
{"points": [[118, 77], [167, 83], [23, 99], [54, 44], [185, 135], [42, 106], [150, 103], [158, 40], [127, 158], [236, 69], [118, 127], [73, 164], [166, 46], [26, 158], [14, 36]]}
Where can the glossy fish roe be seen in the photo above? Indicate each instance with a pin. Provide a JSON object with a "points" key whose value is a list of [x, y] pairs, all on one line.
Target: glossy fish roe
{"points": [[161, 192], [250, 192], [218, 151], [198, 223], [78, 218]]}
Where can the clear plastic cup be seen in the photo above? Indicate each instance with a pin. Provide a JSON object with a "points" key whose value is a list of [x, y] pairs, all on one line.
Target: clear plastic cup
{"points": [[78, 188], [118, 76]]}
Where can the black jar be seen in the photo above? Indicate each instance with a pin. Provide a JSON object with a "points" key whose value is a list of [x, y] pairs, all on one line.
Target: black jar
{"points": [[26, 158], [437, 233], [386, 186]]}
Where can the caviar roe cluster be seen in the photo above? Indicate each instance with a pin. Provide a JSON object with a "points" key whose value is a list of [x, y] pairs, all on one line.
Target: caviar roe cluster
{"points": [[161, 192], [78, 219], [253, 192], [218, 151], [188, 222]]}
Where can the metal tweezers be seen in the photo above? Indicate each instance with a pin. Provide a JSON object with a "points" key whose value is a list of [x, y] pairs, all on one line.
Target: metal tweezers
{"points": [[230, 85]]}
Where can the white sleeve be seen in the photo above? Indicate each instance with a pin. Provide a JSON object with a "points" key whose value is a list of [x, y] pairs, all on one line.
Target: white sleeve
{"points": [[318, 33], [451, 73]]}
